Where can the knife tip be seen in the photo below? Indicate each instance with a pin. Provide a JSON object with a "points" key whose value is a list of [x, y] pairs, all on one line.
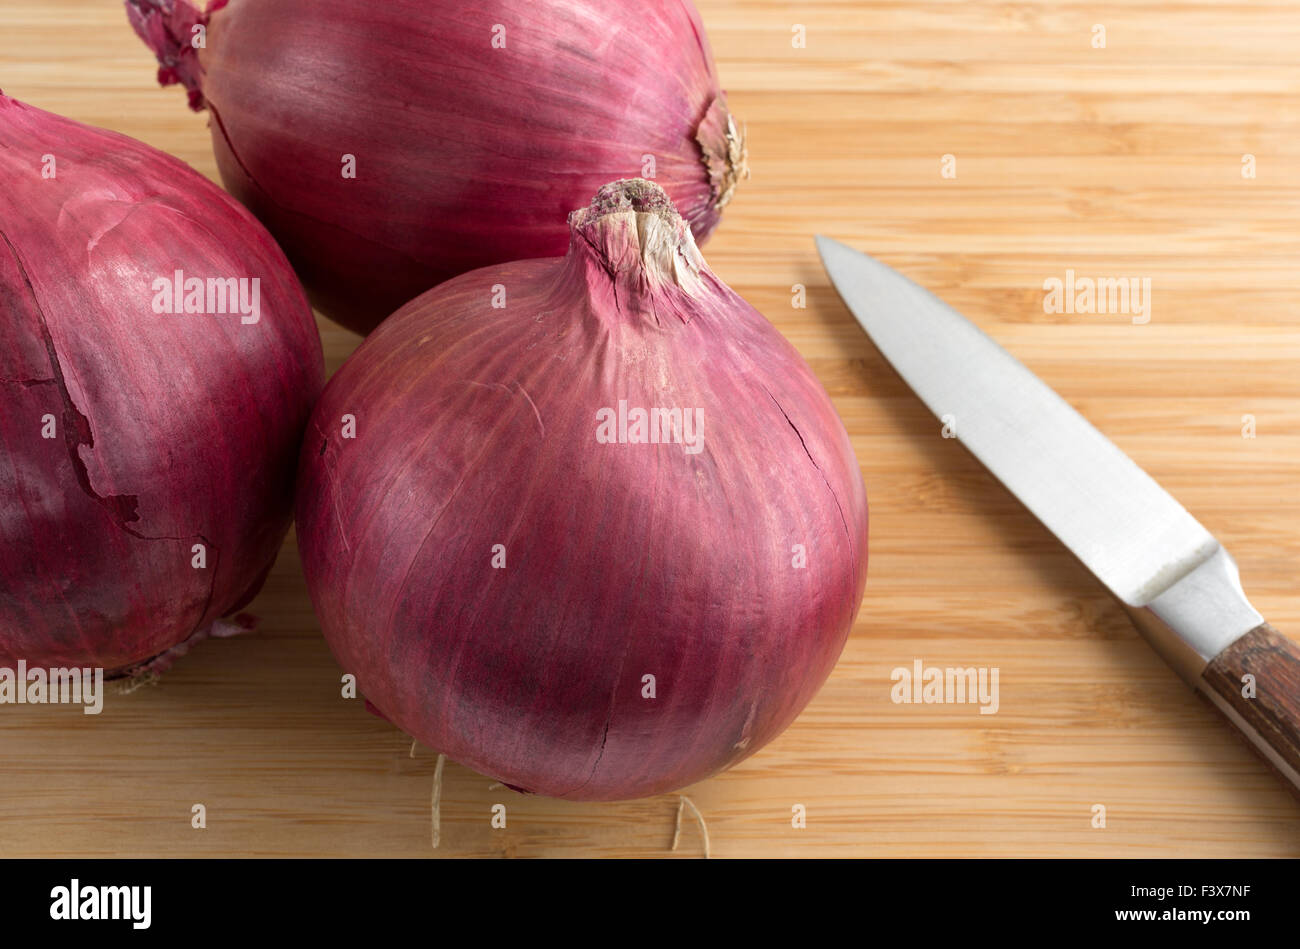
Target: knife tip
{"points": [[829, 249]]}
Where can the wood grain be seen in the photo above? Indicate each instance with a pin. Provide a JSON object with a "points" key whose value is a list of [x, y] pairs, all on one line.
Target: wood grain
{"points": [[1123, 161]]}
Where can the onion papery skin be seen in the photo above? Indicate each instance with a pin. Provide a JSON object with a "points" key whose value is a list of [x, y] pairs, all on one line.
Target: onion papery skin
{"points": [[466, 154], [168, 430], [476, 426]]}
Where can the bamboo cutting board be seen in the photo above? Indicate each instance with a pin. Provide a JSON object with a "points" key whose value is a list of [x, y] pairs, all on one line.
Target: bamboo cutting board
{"points": [[1122, 161]]}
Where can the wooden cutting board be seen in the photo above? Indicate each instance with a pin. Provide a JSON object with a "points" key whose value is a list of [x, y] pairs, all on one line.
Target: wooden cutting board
{"points": [[1122, 161]]}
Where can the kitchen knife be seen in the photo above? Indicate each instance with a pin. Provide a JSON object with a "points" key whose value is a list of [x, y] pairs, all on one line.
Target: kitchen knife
{"points": [[1177, 583]]}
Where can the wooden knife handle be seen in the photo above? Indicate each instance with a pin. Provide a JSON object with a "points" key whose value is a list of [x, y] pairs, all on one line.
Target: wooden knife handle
{"points": [[1255, 683]]}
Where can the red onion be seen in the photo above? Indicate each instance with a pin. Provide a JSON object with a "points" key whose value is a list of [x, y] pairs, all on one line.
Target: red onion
{"points": [[474, 126], [146, 457], [521, 580]]}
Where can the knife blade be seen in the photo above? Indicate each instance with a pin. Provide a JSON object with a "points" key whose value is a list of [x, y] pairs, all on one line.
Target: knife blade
{"points": [[1180, 586]]}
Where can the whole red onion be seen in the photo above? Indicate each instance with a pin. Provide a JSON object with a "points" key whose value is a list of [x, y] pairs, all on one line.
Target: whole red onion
{"points": [[473, 126], [519, 581], [146, 457]]}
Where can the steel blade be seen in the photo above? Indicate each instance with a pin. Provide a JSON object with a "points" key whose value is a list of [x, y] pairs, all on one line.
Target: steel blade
{"points": [[1125, 528]]}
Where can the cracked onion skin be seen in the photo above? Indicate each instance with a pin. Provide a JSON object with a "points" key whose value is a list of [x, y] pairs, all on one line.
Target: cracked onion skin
{"points": [[476, 426], [466, 154], [168, 430]]}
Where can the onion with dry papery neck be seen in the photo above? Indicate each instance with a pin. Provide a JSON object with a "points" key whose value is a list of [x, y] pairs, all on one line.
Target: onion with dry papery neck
{"points": [[158, 361], [389, 146], [589, 525]]}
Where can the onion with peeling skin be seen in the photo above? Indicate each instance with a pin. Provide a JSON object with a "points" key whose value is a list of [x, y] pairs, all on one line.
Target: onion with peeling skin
{"points": [[146, 458], [520, 581], [473, 126]]}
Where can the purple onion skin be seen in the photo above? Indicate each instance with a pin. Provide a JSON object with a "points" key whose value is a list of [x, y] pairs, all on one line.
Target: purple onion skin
{"points": [[170, 430], [466, 155], [476, 426]]}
